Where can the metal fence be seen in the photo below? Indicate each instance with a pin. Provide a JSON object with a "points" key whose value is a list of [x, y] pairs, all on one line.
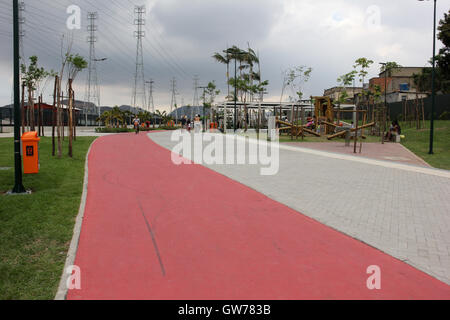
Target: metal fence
{"points": [[442, 105]]}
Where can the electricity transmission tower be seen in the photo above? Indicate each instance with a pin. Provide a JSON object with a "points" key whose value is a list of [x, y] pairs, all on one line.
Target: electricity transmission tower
{"points": [[150, 99], [173, 102], [92, 94], [151, 105], [196, 101], [139, 79]]}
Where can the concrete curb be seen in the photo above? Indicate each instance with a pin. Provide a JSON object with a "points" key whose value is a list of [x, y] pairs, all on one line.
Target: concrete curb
{"points": [[382, 163], [61, 294], [417, 157]]}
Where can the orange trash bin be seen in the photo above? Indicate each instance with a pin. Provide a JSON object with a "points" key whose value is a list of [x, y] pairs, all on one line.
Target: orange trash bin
{"points": [[30, 151]]}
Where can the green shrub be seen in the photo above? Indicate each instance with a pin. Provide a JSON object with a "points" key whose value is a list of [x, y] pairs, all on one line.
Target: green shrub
{"points": [[166, 128], [112, 130], [445, 116], [126, 130]]}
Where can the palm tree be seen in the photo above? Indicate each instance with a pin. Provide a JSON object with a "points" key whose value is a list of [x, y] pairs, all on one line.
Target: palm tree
{"points": [[238, 55], [246, 59], [117, 116], [251, 59], [144, 116], [225, 59], [106, 117], [162, 117]]}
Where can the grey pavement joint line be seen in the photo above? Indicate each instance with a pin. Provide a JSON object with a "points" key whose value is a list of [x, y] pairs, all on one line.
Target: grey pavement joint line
{"points": [[387, 164]]}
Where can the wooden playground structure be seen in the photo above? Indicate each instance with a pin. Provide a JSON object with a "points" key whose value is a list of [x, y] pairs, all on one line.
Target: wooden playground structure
{"points": [[326, 121]]}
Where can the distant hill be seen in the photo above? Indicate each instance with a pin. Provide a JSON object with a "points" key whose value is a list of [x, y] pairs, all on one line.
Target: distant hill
{"points": [[187, 111], [80, 104], [131, 109]]}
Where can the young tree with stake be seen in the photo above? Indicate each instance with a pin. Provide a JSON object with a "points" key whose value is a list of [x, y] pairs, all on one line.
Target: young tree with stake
{"points": [[75, 64]]}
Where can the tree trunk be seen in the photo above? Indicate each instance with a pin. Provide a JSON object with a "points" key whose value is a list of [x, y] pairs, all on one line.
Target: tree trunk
{"points": [[23, 108], [42, 117], [54, 115], [356, 132], [39, 120], [63, 116], [70, 119], [228, 79], [74, 123], [423, 114], [31, 108], [58, 119], [246, 115]]}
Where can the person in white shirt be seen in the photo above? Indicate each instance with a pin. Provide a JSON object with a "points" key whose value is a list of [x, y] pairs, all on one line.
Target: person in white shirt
{"points": [[136, 123]]}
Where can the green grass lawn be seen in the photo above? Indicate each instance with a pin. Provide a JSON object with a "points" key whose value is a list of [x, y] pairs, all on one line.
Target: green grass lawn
{"points": [[418, 141], [36, 230], [309, 138]]}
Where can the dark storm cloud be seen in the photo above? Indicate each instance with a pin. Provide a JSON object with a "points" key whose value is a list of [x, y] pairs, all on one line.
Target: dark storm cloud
{"points": [[182, 35], [217, 21]]}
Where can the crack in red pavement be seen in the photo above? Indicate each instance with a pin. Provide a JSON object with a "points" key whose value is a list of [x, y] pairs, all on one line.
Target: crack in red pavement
{"points": [[155, 245], [220, 239]]}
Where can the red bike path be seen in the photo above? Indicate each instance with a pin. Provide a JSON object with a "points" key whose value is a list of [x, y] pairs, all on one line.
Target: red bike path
{"points": [[154, 230]]}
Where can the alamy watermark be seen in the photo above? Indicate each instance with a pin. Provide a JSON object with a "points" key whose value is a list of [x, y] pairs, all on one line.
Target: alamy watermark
{"points": [[74, 20], [373, 18], [74, 278], [226, 149], [374, 281]]}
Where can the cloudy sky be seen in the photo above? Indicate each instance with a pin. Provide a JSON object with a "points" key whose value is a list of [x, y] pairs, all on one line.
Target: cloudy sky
{"points": [[182, 35]]}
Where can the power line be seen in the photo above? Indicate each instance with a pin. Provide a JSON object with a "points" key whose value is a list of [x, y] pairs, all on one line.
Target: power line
{"points": [[172, 59], [163, 55], [150, 96], [92, 94], [139, 79], [196, 101], [173, 102]]}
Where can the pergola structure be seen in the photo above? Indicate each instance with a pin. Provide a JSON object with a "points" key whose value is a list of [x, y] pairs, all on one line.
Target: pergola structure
{"points": [[258, 111], [267, 106]]}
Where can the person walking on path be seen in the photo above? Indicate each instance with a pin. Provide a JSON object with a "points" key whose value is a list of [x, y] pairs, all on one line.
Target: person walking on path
{"points": [[197, 124], [188, 124], [136, 123]]}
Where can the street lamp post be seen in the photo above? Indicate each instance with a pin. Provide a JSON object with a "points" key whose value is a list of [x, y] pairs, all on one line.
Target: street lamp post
{"points": [[385, 100], [18, 186], [204, 101], [98, 95], [236, 56], [433, 85], [235, 94]]}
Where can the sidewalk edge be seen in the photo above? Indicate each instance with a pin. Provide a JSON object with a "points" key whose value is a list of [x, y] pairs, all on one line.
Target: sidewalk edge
{"points": [[61, 294]]}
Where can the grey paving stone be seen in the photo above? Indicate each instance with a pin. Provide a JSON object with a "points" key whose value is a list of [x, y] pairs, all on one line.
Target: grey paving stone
{"points": [[402, 212]]}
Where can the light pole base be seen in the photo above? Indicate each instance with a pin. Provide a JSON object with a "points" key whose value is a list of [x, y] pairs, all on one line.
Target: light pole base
{"points": [[18, 190]]}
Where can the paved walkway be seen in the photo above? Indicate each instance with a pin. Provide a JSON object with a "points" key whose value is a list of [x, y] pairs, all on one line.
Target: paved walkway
{"points": [[400, 209], [153, 230], [394, 152]]}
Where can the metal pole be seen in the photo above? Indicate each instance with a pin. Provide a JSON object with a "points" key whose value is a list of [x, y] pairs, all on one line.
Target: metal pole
{"points": [[235, 94], [433, 86], [18, 186], [385, 102]]}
